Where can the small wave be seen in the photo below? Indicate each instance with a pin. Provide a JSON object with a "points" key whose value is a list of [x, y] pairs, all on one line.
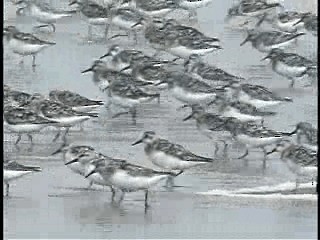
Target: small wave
{"points": [[281, 191]]}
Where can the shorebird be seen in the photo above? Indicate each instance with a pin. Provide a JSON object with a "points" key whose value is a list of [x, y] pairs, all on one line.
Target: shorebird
{"points": [[253, 136], [13, 97], [74, 100], [44, 13], [243, 111], [25, 44], [308, 134], [300, 160], [268, 40], [153, 8], [179, 40], [209, 73], [125, 18], [291, 65], [310, 23], [257, 95], [64, 116], [13, 170], [119, 59], [128, 177], [24, 121], [287, 21], [190, 90], [170, 156], [77, 157], [94, 14]]}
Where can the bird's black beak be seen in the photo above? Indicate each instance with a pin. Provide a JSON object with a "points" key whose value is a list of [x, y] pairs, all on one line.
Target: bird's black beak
{"points": [[137, 142], [72, 161], [87, 70], [106, 55], [137, 24], [56, 152], [301, 20], [72, 3], [187, 118], [272, 151], [125, 69], [159, 83], [90, 173], [293, 132], [246, 40], [265, 58]]}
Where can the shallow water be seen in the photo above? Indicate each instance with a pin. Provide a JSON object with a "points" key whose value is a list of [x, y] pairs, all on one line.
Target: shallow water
{"points": [[55, 202]]}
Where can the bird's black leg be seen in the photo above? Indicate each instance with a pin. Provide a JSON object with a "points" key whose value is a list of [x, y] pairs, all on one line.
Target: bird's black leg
{"points": [[245, 154], [30, 138], [33, 60], [18, 140], [53, 27], [65, 134], [57, 136], [113, 194], [146, 205], [7, 189], [121, 197]]}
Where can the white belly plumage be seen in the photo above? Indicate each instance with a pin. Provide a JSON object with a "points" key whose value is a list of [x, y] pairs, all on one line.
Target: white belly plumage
{"points": [[243, 97], [191, 97], [125, 102], [170, 162], [285, 70], [9, 175], [185, 52], [267, 48], [23, 48], [68, 121], [256, 141], [120, 22], [242, 117], [195, 4], [121, 179], [88, 108], [25, 128]]}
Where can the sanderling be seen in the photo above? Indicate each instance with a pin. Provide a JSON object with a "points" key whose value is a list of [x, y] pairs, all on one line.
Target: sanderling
{"points": [[44, 13], [127, 95], [288, 21], [152, 72], [310, 23], [300, 160], [189, 89], [193, 5], [208, 72], [258, 96], [125, 18], [163, 35], [14, 97], [94, 14], [291, 65], [123, 58], [170, 156], [24, 121], [103, 75], [63, 115], [13, 170], [25, 43], [257, 8], [77, 157], [74, 100], [153, 8], [209, 123], [268, 40], [309, 134], [128, 177], [253, 136], [243, 111]]}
